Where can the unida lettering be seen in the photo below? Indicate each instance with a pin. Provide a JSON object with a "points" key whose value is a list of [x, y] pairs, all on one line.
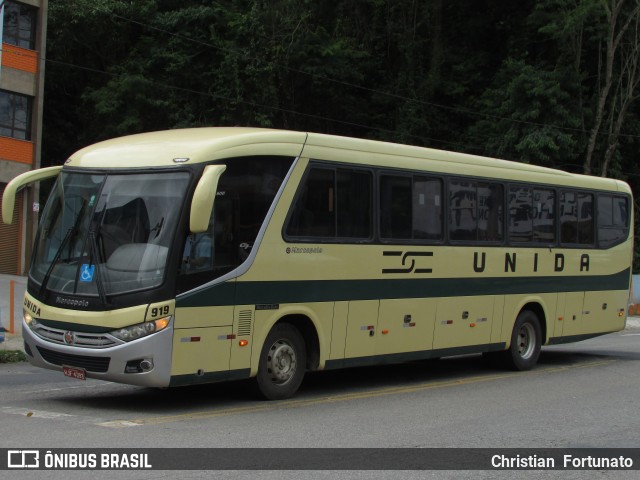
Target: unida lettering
{"points": [[31, 307]]}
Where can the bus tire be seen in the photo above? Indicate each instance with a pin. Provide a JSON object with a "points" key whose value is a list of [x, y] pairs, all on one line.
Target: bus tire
{"points": [[282, 363], [526, 341]]}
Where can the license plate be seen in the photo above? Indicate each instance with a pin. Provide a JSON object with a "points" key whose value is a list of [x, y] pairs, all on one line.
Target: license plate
{"points": [[73, 372]]}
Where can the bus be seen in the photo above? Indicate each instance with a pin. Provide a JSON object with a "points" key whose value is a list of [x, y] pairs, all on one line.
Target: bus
{"points": [[212, 254]]}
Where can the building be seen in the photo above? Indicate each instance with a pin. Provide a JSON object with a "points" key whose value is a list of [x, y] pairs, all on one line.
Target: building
{"points": [[23, 27]]}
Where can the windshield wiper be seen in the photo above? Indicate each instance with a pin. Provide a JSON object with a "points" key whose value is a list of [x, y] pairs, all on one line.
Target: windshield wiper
{"points": [[63, 244]]}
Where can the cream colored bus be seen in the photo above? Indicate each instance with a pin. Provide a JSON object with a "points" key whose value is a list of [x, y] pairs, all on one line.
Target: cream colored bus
{"points": [[204, 255]]}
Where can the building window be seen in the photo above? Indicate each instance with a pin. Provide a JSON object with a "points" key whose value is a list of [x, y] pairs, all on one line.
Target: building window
{"points": [[15, 115], [19, 25]]}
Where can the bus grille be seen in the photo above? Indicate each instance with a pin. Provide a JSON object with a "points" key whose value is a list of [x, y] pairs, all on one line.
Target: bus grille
{"points": [[90, 364], [81, 339]]}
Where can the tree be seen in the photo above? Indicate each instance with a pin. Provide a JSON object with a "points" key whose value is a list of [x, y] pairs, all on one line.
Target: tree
{"points": [[621, 53]]}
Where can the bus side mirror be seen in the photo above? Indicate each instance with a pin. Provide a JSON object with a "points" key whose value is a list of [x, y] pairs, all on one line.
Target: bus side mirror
{"points": [[203, 197], [10, 191]]}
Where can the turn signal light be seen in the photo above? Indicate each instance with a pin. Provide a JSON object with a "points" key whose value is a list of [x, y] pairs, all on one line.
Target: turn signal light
{"points": [[243, 343]]}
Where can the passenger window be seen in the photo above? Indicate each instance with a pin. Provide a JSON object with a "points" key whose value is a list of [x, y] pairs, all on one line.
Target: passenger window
{"points": [[613, 220], [314, 214], [333, 203], [463, 214], [544, 220], [585, 219], [354, 204], [476, 211], [395, 207], [410, 208], [427, 208], [490, 212], [520, 214], [576, 218]]}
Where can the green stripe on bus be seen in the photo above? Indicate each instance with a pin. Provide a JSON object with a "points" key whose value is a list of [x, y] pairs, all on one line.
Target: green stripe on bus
{"points": [[272, 292]]}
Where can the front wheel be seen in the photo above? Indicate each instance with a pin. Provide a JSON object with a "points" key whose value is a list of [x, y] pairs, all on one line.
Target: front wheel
{"points": [[526, 341], [282, 363]]}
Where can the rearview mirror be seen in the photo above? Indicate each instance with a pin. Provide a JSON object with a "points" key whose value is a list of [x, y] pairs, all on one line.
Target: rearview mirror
{"points": [[21, 181], [203, 197]]}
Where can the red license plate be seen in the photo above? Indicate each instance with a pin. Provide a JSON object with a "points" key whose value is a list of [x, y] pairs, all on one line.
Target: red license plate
{"points": [[73, 372]]}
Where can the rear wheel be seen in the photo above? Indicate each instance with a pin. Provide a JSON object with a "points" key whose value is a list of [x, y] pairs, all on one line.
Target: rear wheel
{"points": [[526, 341], [282, 363]]}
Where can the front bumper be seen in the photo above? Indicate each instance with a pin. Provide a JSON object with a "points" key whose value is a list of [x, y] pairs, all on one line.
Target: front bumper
{"points": [[107, 363]]}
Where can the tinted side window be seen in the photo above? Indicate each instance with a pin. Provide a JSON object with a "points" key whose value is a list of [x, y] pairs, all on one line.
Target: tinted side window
{"points": [[490, 212], [314, 214], [410, 208], [613, 220], [396, 216], [520, 214], [354, 204], [576, 218], [427, 208], [475, 211], [333, 203], [544, 215], [463, 215]]}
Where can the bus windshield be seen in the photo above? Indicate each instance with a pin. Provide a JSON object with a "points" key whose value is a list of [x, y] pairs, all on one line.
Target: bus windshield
{"points": [[107, 234]]}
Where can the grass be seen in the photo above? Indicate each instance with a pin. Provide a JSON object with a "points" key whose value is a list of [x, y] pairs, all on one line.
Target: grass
{"points": [[12, 356]]}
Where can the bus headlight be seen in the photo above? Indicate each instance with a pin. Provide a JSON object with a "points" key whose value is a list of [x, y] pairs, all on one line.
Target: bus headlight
{"points": [[140, 330], [31, 322]]}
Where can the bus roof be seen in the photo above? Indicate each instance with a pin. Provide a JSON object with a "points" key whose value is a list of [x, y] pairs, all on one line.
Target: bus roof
{"points": [[192, 145], [195, 145]]}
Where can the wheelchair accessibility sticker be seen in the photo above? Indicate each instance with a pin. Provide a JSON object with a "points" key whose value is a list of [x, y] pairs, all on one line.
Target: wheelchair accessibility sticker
{"points": [[86, 272]]}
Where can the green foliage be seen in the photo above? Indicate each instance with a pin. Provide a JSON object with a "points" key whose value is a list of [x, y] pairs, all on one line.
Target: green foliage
{"points": [[12, 356], [518, 80], [530, 117]]}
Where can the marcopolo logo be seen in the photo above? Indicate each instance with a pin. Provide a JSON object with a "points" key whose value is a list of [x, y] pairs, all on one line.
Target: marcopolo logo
{"points": [[304, 250], [23, 459]]}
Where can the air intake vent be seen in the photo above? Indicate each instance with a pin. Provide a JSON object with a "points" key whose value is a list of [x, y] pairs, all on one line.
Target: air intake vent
{"points": [[91, 364], [244, 323]]}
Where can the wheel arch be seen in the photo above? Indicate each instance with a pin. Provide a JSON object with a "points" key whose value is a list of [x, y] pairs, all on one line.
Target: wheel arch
{"points": [[309, 333], [307, 324], [537, 308]]}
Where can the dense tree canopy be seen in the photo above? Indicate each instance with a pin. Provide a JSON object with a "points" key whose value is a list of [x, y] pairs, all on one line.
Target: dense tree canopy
{"points": [[550, 82]]}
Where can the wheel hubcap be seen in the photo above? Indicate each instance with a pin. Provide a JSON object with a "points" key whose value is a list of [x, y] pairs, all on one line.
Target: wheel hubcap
{"points": [[281, 362], [526, 341]]}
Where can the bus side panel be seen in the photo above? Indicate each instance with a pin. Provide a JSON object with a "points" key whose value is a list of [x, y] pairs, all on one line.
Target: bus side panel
{"points": [[362, 324], [498, 319], [601, 311], [463, 321], [201, 351], [339, 330], [572, 316], [202, 343], [405, 325]]}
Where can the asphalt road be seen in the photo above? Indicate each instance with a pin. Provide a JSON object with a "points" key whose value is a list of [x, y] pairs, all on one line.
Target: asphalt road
{"points": [[580, 395]]}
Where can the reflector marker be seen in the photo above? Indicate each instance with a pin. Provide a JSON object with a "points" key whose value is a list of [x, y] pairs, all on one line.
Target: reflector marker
{"points": [[231, 336], [189, 339]]}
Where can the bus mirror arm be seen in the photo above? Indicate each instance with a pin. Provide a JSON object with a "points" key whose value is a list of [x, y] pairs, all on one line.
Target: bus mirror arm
{"points": [[203, 198], [19, 182]]}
